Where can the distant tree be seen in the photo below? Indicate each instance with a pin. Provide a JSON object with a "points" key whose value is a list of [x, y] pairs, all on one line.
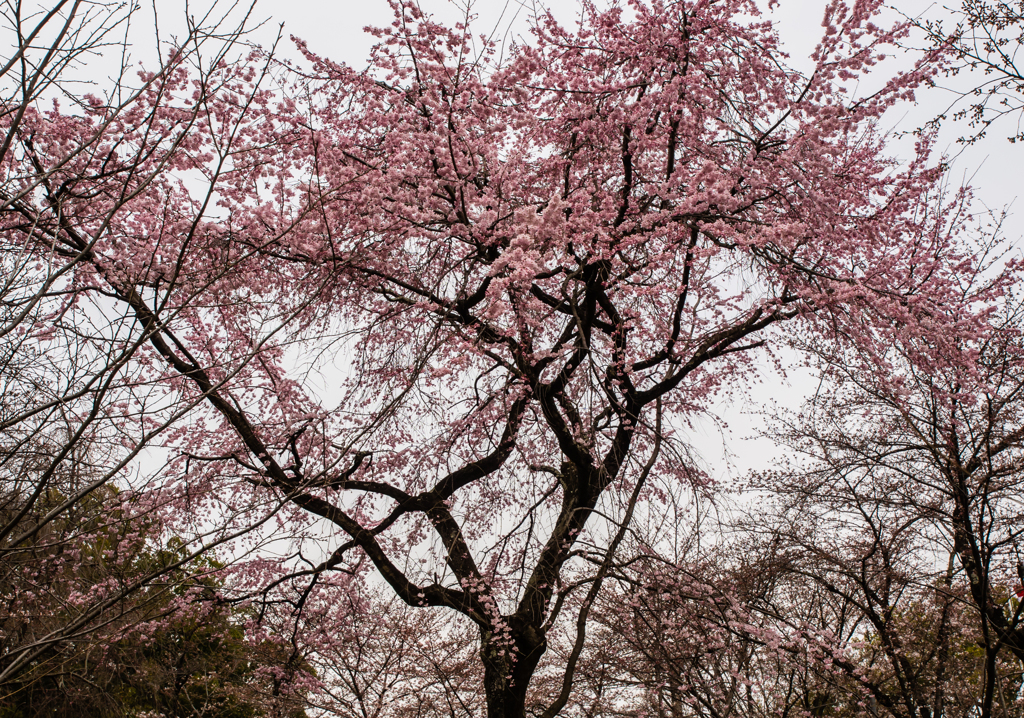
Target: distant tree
{"points": [[389, 660], [792, 622], [171, 647], [908, 512], [81, 524]]}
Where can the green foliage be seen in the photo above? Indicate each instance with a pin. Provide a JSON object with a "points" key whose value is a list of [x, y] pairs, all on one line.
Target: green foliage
{"points": [[173, 648]]}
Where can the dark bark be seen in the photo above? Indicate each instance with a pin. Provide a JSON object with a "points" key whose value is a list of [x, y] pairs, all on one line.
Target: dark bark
{"points": [[509, 663]]}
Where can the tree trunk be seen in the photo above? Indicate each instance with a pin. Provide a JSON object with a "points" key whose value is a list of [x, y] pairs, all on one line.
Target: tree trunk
{"points": [[510, 660]]}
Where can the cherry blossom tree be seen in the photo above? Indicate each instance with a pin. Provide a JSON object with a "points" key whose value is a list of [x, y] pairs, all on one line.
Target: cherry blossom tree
{"points": [[880, 629], [909, 509], [436, 323], [985, 39], [84, 529], [787, 630], [388, 659], [169, 647]]}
